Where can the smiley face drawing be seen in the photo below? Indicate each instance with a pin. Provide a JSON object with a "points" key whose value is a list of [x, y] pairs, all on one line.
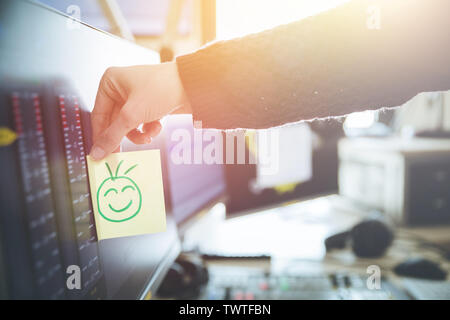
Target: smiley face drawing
{"points": [[118, 197]]}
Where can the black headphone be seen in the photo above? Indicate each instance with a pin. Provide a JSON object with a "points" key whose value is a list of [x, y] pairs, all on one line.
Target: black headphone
{"points": [[368, 239], [185, 278]]}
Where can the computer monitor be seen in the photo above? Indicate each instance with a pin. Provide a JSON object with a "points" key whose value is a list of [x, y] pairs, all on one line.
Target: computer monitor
{"points": [[197, 183], [282, 165], [50, 68]]}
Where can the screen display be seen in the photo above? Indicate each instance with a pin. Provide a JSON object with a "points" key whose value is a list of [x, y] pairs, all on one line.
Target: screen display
{"points": [[301, 161], [194, 182], [39, 211], [50, 68]]}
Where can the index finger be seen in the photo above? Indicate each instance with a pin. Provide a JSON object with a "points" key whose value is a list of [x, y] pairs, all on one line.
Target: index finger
{"points": [[105, 102], [101, 114]]}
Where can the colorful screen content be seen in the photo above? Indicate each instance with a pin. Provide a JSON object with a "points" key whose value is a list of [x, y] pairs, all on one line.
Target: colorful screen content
{"points": [[72, 131], [39, 209]]}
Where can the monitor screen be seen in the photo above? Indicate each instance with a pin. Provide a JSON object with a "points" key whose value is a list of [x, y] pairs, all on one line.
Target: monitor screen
{"points": [[50, 68], [195, 182], [288, 163]]}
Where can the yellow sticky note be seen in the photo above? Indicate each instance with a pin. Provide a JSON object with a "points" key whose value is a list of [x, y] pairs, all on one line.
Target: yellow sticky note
{"points": [[127, 194]]}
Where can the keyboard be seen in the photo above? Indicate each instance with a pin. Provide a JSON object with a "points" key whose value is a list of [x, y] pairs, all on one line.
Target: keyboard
{"points": [[427, 289], [241, 284]]}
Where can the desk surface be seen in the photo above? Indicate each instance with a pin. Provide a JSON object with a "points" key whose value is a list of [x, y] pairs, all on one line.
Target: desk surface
{"points": [[293, 236]]}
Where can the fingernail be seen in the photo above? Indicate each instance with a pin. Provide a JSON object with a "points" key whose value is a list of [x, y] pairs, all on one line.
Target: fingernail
{"points": [[148, 140], [97, 153]]}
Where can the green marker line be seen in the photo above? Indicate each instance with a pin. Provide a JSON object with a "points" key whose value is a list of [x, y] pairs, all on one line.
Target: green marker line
{"points": [[117, 169], [121, 210], [109, 170], [131, 168]]}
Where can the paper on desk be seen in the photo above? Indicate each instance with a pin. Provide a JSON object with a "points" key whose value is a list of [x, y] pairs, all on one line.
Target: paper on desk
{"points": [[127, 194]]}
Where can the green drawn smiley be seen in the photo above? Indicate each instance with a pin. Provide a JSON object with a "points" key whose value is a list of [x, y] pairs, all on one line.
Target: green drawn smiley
{"points": [[118, 197]]}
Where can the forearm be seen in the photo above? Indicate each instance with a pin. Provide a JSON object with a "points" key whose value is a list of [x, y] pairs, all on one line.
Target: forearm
{"points": [[328, 65]]}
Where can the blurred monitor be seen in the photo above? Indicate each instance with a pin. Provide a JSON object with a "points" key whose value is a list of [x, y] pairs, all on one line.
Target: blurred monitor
{"points": [[50, 68], [194, 185], [289, 163]]}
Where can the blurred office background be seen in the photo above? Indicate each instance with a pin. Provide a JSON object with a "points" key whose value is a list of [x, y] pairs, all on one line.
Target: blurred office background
{"points": [[394, 163], [328, 164]]}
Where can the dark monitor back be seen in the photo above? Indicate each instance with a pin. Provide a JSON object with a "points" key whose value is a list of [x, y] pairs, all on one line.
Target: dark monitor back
{"points": [[50, 67]]}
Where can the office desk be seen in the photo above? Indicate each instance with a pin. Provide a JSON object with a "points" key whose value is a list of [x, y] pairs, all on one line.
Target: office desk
{"points": [[293, 237]]}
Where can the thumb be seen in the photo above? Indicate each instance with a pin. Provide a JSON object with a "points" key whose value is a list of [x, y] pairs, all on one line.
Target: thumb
{"points": [[111, 138]]}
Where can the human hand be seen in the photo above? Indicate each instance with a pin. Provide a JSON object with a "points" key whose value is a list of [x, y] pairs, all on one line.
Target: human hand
{"points": [[130, 96]]}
